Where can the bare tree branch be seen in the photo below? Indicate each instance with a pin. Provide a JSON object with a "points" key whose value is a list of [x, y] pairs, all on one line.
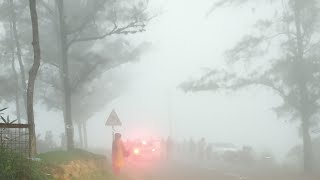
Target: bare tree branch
{"points": [[115, 30]]}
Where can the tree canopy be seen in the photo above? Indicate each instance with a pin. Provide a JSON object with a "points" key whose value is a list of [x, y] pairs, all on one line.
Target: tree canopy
{"points": [[282, 54]]}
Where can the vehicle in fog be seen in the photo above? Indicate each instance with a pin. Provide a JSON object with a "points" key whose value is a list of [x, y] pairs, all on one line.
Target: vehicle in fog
{"points": [[222, 148], [144, 150]]}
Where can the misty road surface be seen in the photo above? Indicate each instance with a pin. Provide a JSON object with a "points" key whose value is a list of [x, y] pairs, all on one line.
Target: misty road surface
{"points": [[180, 171], [172, 171]]}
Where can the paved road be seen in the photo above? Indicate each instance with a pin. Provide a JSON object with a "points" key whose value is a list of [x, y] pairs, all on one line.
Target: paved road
{"points": [[179, 171], [174, 171]]}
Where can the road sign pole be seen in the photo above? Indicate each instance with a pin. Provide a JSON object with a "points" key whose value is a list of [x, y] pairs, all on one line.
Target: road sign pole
{"points": [[113, 130]]}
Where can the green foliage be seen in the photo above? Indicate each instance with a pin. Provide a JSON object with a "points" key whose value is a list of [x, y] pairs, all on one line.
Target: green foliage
{"points": [[1, 110], [7, 119], [54, 162], [14, 166]]}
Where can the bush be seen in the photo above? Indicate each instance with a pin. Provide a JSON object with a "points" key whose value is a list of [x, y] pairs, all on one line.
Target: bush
{"points": [[14, 166]]}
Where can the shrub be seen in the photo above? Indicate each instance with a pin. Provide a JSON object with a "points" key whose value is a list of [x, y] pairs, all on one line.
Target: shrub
{"points": [[14, 166]]}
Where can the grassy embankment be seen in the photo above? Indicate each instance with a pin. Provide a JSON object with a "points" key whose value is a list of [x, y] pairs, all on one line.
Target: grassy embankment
{"points": [[76, 164]]}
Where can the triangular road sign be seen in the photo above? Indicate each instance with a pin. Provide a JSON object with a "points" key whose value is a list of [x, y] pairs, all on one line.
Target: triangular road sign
{"points": [[113, 119]]}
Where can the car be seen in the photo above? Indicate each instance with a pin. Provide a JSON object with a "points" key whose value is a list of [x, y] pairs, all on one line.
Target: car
{"points": [[143, 150]]}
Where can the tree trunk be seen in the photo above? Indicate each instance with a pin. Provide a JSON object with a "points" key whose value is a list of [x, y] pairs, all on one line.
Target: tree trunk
{"points": [[18, 113], [80, 134], [66, 84], [63, 140], [19, 55], [32, 76], [307, 145], [85, 137]]}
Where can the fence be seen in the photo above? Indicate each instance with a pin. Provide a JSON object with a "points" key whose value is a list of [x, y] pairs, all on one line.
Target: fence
{"points": [[15, 138]]}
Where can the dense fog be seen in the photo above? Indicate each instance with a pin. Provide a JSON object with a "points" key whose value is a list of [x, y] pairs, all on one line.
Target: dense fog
{"points": [[232, 86]]}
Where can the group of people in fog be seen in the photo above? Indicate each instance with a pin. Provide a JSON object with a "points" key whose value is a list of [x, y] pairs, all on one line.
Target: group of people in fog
{"points": [[196, 150]]}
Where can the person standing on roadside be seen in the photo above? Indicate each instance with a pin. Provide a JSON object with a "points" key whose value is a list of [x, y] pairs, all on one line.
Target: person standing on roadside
{"points": [[118, 154]]}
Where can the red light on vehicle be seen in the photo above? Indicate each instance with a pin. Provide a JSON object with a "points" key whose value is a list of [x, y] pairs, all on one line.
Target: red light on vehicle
{"points": [[136, 151]]}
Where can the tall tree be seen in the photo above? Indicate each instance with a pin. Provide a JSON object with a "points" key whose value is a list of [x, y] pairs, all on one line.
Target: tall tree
{"points": [[282, 54], [65, 78], [85, 22], [135, 21], [89, 79], [32, 76]]}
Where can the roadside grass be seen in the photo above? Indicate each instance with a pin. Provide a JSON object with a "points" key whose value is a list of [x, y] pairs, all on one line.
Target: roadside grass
{"points": [[55, 161], [61, 157]]}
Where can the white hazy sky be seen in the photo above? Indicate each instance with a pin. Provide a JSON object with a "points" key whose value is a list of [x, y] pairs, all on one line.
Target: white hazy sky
{"points": [[184, 41]]}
